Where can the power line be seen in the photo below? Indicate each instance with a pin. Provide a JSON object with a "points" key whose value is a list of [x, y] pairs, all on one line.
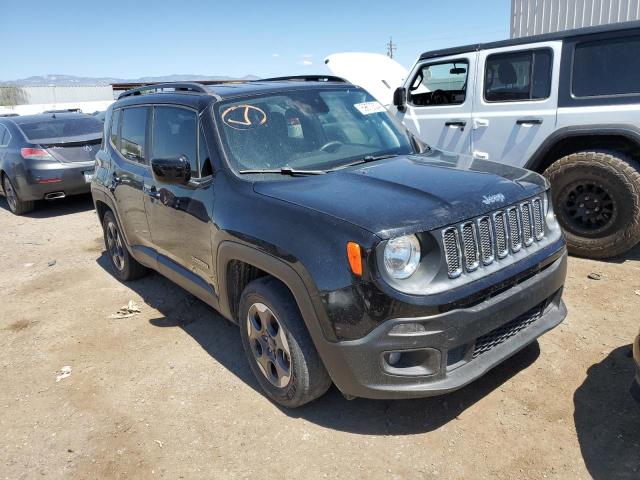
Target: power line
{"points": [[391, 48]]}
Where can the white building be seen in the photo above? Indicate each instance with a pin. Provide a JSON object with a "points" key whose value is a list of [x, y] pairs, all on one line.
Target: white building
{"points": [[26, 100]]}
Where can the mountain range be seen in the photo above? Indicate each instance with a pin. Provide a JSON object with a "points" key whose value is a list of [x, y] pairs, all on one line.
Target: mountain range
{"points": [[40, 80]]}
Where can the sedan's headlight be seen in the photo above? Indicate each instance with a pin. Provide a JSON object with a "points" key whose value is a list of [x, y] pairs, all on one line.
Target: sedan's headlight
{"points": [[402, 256]]}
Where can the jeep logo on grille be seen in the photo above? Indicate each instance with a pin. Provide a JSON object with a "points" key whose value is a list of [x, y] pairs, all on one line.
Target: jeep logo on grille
{"points": [[489, 199]]}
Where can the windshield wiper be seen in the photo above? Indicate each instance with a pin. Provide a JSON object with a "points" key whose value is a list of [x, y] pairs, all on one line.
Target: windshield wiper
{"points": [[283, 171], [367, 159]]}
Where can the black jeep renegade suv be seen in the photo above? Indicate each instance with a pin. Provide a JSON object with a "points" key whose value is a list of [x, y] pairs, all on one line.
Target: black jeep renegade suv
{"points": [[345, 250]]}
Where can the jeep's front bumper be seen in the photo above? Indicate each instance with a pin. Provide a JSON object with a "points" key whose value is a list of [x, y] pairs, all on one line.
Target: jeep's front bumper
{"points": [[452, 348]]}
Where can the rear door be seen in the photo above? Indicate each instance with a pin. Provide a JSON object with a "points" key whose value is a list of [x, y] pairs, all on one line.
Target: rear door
{"points": [[515, 104], [439, 102], [180, 215], [128, 139]]}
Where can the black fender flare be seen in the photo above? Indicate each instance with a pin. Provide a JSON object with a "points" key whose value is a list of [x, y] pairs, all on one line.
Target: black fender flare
{"points": [[628, 131]]}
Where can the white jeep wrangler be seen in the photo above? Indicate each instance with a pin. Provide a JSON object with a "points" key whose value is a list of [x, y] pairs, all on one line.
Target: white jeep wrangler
{"points": [[565, 104]]}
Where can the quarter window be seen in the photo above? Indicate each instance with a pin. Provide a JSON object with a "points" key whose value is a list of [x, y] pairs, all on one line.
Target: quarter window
{"points": [[175, 134], [5, 136], [114, 132], [133, 133], [606, 67], [518, 76], [440, 84]]}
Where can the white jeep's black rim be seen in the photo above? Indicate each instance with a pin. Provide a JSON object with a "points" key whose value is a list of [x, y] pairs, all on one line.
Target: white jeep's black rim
{"points": [[12, 200], [587, 208], [114, 245], [269, 345]]}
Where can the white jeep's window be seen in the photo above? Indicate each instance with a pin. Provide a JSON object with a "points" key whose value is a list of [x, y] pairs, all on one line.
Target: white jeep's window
{"points": [[307, 129], [518, 76], [440, 84]]}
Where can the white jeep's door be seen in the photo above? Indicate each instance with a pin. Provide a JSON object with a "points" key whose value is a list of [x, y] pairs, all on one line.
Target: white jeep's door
{"points": [[515, 101], [439, 102]]}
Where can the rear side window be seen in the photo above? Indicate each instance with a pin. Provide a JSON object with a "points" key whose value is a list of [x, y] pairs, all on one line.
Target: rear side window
{"points": [[62, 128], [175, 134], [518, 76], [440, 84], [606, 67], [133, 132], [5, 136]]}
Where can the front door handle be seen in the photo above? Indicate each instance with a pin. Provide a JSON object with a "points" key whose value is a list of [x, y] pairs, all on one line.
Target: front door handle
{"points": [[455, 123], [527, 122]]}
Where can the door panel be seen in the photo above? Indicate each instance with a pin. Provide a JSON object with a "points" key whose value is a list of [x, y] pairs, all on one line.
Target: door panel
{"points": [[439, 103], [515, 103]]}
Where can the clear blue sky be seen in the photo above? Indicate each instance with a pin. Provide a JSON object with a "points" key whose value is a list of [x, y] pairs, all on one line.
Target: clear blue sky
{"points": [[137, 38]]}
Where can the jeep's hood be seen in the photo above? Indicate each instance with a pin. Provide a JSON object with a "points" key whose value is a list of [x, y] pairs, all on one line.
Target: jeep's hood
{"points": [[409, 193]]}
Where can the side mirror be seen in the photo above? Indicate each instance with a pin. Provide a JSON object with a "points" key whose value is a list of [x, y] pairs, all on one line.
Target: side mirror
{"points": [[400, 98], [172, 170]]}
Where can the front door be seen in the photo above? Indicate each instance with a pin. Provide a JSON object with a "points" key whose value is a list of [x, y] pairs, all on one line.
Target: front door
{"points": [[439, 102], [514, 107], [180, 215]]}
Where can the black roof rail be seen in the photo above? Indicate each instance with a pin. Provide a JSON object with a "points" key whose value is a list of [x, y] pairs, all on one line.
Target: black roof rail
{"points": [[159, 87], [304, 78]]}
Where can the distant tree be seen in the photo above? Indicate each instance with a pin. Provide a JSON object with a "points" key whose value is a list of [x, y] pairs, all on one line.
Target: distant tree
{"points": [[12, 95]]}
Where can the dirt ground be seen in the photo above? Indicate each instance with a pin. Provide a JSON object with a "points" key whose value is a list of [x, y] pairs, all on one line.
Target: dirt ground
{"points": [[168, 394]]}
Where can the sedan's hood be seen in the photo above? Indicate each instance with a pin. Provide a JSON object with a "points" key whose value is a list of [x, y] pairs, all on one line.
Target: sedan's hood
{"points": [[409, 194]]}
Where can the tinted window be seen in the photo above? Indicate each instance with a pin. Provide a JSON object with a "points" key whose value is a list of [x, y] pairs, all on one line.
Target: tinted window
{"points": [[204, 158], [440, 84], [4, 136], [606, 67], [114, 133], [310, 129], [60, 128], [518, 76], [175, 134], [133, 133]]}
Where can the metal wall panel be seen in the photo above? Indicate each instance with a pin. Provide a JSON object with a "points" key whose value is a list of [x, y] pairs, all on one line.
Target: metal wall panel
{"points": [[534, 17], [30, 95]]}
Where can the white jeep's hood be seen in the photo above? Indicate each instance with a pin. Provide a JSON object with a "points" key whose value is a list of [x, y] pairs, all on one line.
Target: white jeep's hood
{"points": [[376, 73]]}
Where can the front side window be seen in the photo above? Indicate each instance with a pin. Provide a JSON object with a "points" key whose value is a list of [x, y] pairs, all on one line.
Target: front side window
{"points": [[310, 129], [518, 76], [133, 132], [440, 84], [606, 67], [175, 135]]}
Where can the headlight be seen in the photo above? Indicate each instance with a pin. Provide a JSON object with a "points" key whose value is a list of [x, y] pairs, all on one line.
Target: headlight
{"points": [[402, 256]]}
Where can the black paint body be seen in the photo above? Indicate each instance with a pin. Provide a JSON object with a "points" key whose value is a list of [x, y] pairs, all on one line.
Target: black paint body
{"points": [[297, 229]]}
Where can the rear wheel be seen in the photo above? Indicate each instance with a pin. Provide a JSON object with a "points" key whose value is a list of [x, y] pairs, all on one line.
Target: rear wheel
{"points": [[277, 345], [125, 266], [17, 206], [596, 196]]}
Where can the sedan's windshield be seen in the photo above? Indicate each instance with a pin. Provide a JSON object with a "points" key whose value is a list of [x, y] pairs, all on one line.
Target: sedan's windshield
{"points": [[310, 129]]}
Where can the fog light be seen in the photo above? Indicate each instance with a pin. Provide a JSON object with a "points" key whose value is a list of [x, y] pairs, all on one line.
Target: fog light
{"points": [[393, 358]]}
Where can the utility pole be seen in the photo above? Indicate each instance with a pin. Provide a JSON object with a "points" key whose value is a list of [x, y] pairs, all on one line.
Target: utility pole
{"points": [[391, 48]]}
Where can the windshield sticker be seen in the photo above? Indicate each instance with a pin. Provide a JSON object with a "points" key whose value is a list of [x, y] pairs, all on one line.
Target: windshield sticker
{"points": [[367, 108], [244, 117]]}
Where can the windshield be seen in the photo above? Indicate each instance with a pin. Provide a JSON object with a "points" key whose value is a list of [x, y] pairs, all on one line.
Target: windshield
{"points": [[310, 129], [61, 128]]}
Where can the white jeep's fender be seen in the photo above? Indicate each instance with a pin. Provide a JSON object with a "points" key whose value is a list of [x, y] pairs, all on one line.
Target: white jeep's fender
{"points": [[376, 73]]}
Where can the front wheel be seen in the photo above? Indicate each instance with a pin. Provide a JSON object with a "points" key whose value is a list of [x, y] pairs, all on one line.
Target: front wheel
{"points": [[277, 345], [596, 196]]}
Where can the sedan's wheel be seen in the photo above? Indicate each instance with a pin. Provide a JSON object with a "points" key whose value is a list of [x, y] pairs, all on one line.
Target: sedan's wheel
{"points": [[17, 206], [269, 344], [126, 267], [277, 345], [596, 196]]}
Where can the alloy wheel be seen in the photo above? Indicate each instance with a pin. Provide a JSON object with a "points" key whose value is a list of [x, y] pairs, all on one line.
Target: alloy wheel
{"points": [[10, 193], [114, 245], [269, 344], [588, 208]]}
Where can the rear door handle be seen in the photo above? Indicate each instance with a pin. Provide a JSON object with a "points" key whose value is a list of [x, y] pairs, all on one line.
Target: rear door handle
{"points": [[455, 123], [529, 121]]}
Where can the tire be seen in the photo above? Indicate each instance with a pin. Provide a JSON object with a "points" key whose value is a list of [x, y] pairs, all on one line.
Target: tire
{"points": [[307, 378], [16, 206], [125, 266], [596, 196]]}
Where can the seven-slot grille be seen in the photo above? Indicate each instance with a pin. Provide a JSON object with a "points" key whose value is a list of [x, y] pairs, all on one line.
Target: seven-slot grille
{"points": [[494, 236]]}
